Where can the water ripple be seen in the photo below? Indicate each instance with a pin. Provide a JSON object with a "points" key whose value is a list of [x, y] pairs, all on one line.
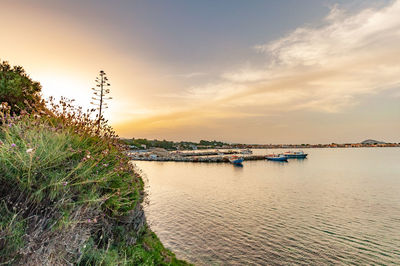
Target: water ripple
{"points": [[330, 209]]}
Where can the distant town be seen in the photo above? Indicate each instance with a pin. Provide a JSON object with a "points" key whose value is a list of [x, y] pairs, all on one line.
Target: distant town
{"points": [[144, 144]]}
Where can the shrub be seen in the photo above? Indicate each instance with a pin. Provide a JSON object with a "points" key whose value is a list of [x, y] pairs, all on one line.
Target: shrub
{"points": [[65, 186], [18, 89]]}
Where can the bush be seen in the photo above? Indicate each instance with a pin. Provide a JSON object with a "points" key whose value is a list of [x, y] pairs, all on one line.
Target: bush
{"points": [[65, 186], [17, 89]]}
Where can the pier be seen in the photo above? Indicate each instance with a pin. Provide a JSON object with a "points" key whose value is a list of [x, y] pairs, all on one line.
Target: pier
{"points": [[195, 159], [204, 153]]}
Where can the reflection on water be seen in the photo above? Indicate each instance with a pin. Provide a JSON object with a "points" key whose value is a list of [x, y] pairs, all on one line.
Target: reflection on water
{"points": [[337, 206]]}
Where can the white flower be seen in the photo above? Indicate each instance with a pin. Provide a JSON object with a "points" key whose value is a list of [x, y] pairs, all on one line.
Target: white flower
{"points": [[29, 150]]}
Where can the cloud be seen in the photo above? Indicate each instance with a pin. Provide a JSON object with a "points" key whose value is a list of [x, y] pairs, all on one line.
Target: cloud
{"points": [[328, 66], [320, 69], [340, 38]]}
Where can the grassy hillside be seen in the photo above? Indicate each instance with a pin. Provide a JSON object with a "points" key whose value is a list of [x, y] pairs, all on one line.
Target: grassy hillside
{"points": [[68, 194]]}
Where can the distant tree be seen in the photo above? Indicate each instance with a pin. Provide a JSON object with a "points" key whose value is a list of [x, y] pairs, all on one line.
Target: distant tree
{"points": [[100, 93], [211, 143], [18, 89]]}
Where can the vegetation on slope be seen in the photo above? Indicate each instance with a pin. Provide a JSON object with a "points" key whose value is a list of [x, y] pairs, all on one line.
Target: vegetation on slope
{"points": [[68, 194]]}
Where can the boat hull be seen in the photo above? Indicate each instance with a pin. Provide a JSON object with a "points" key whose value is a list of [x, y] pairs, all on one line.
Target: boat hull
{"points": [[277, 159], [237, 161], [296, 156]]}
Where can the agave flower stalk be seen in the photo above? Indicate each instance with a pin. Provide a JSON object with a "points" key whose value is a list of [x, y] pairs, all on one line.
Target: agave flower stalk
{"points": [[99, 97]]}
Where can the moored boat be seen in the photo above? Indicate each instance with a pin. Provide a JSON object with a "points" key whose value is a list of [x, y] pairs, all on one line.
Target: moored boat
{"points": [[295, 155], [236, 160], [246, 151], [274, 157]]}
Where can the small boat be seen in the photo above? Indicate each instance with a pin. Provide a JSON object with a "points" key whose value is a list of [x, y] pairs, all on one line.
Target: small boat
{"points": [[295, 155], [246, 151], [279, 158], [236, 160]]}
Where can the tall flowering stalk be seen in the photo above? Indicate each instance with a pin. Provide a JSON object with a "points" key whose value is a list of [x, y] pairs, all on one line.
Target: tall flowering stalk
{"points": [[99, 97]]}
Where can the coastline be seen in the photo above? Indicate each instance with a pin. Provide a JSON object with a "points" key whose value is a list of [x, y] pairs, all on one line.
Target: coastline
{"points": [[69, 195]]}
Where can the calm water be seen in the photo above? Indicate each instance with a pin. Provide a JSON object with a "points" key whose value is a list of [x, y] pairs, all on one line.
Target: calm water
{"points": [[337, 206]]}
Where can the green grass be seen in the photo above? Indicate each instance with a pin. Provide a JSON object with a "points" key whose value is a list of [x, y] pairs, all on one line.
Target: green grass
{"points": [[65, 185], [57, 163], [147, 251]]}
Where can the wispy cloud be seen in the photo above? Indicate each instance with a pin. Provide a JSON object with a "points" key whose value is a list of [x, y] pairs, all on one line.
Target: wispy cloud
{"points": [[187, 75], [329, 66]]}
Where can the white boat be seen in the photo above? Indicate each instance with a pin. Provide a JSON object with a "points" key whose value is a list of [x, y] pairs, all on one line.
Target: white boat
{"points": [[236, 160], [246, 151]]}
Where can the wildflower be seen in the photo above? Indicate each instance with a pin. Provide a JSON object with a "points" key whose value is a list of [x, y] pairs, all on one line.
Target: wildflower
{"points": [[13, 145], [89, 221], [1, 143], [65, 183], [29, 150], [95, 220], [105, 164], [88, 156]]}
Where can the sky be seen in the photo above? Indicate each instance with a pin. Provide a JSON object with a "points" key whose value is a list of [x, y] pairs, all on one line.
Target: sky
{"points": [[311, 71]]}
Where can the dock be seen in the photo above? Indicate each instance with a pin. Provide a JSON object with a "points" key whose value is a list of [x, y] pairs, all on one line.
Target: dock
{"points": [[196, 159], [204, 153]]}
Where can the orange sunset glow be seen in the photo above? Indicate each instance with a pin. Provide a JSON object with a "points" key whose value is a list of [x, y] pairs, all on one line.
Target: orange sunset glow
{"points": [[330, 78]]}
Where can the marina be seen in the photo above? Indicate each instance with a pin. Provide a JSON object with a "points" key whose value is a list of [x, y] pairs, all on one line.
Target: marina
{"points": [[212, 156], [196, 159]]}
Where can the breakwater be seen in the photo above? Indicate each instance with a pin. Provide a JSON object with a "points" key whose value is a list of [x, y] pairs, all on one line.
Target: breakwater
{"points": [[192, 159], [204, 153]]}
